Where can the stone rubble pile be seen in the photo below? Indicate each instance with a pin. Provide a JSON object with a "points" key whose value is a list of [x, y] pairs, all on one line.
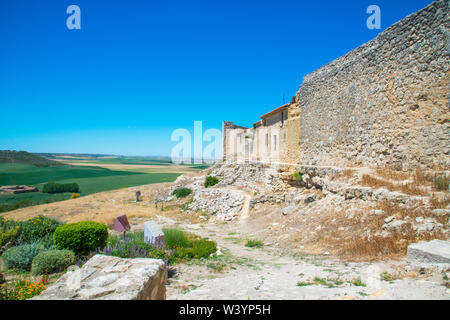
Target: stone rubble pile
{"points": [[223, 205], [255, 177]]}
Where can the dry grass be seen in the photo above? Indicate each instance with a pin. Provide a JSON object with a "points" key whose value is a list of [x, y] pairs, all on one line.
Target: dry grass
{"points": [[358, 242], [348, 173], [378, 247], [415, 188], [102, 207], [441, 183], [411, 183], [419, 210], [439, 202], [391, 174], [394, 245]]}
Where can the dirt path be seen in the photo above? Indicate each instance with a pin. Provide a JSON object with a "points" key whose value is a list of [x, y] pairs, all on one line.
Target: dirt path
{"points": [[245, 273]]}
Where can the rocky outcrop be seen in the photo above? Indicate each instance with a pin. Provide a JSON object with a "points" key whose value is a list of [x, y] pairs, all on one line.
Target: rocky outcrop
{"points": [[111, 278], [223, 205], [253, 177], [432, 252]]}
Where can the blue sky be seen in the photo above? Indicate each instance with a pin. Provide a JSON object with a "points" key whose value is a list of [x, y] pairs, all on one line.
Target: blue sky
{"points": [[137, 70]]}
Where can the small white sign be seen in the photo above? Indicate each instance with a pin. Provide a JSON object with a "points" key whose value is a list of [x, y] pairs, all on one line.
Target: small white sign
{"points": [[152, 231]]}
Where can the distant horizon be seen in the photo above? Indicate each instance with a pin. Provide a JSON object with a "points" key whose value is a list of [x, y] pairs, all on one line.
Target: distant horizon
{"points": [[114, 155], [136, 71], [151, 157]]}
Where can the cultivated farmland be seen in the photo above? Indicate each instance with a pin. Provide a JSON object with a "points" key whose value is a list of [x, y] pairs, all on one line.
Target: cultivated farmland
{"points": [[91, 174]]}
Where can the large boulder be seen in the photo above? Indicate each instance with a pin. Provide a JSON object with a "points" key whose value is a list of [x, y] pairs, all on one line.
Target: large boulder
{"points": [[111, 278]]}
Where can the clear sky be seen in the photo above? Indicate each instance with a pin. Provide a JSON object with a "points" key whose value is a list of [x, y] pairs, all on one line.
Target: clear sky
{"points": [[139, 69]]}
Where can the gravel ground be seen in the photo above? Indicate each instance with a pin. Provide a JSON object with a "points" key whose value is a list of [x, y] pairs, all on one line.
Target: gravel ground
{"points": [[244, 273]]}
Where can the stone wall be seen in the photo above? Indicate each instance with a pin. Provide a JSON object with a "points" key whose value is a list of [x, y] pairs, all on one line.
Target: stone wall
{"points": [[386, 102], [293, 151]]}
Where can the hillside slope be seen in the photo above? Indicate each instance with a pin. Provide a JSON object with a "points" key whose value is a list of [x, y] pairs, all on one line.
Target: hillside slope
{"points": [[8, 156]]}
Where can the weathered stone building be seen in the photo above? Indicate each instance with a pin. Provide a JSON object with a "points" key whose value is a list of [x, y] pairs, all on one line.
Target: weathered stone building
{"points": [[265, 142], [384, 103]]}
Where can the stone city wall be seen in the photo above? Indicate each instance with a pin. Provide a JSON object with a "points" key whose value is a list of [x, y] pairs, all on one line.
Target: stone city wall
{"points": [[386, 102]]}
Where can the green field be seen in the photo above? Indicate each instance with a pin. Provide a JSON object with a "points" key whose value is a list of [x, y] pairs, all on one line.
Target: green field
{"points": [[91, 179]]}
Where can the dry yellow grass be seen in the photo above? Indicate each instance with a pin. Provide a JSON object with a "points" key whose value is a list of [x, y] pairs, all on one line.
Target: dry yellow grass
{"points": [[416, 188], [394, 245], [102, 207], [378, 247], [347, 173], [414, 182], [357, 237], [439, 202], [391, 174]]}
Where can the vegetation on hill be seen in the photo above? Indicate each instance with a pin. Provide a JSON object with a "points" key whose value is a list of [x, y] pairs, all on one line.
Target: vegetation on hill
{"points": [[89, 179], [182, 192], [211, 181], [8, 156], [53, 187]]}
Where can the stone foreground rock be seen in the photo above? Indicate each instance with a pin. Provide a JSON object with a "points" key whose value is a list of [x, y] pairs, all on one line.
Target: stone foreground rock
{"points": [[111, 278], [432, 252]]}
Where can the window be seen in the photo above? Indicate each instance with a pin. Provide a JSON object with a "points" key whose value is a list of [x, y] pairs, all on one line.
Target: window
{"points": [[267, 140], [274, 143], [282, 118]]}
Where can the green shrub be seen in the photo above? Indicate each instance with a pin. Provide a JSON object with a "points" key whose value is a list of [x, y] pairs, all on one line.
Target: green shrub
{"points": [[358, 283], [52, 261], [254, 244], [53, 187], [37, 227], [175, 238], [297, 176], [211, 181], [203, 248], [178, 246], [181, 192], [6, 224], [81, 237], [21, 257], [9, 236], [134, 246], [46, 243], [187, 247], [9, 231]]}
